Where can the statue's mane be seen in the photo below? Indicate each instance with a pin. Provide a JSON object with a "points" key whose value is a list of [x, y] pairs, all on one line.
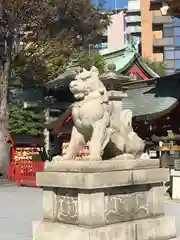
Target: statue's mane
{"points": [[84, 75]]}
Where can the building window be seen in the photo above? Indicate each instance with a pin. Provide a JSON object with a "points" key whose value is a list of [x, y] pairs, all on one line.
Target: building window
{"points": [[170, 70], [169, 55], [177, 41], [168, 32], [167, 25], [169, 48], [177, 64], [177, 31], [169, 63], [177, 54]]}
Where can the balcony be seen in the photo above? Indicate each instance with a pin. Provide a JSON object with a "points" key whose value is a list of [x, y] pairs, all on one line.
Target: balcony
{"points": [[133, 29], [161, 42], [133, 19], [157, 20]]}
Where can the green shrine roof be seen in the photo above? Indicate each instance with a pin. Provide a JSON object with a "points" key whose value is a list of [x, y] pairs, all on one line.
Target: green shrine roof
{"points": [[153, 98], [145, 104], [124, 58], [147, 99]]}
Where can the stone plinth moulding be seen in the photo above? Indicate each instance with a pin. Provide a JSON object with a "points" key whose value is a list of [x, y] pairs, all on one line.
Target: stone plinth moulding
{"points": [[113, 199]]}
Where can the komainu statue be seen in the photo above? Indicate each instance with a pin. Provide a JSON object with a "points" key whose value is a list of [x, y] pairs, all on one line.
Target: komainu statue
{"points": [[109, 134]]}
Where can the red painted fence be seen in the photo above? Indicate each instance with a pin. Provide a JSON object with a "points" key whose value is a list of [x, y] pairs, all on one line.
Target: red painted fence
{"points": [[24, 172]]}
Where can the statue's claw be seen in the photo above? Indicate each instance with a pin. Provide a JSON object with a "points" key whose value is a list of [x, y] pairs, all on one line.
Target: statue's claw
{"points": [[57, 159]]}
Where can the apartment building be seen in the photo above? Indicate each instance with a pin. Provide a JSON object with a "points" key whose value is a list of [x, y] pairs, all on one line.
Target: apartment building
{"points": [[160, 36], [133, 20], [171, 38], [148, 22], [152, 21], [116, 31], [115, 36]]}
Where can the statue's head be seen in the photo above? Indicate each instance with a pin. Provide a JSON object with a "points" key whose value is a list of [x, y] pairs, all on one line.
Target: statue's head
{"points": [[83, 83]]}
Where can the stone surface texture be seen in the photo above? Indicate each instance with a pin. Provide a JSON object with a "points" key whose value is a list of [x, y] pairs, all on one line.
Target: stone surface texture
{"points": [[156, 229], [99, 119], [93, 175], [175, 175], [104, 202]]}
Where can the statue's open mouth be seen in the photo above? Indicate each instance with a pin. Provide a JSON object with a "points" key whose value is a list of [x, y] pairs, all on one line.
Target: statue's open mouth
{"points": [[78, 95], [74, 90]]}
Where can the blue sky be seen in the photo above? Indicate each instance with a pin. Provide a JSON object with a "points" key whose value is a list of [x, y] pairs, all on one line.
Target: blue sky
{"points": [[111, 4]]}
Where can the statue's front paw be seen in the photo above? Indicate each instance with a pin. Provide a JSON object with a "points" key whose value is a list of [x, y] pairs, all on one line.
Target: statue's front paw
{"points": [[57, 159], [67, 158], [95, 158]]}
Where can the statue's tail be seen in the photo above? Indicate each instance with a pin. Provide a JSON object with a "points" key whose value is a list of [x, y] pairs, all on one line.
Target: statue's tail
{"points": [[126, 119]]}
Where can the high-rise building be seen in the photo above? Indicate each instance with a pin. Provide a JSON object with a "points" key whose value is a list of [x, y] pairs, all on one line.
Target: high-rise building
{"points": [[171, 33], [133, 20], [152, 21], [158, 32], [115, 36], [116, 31]]}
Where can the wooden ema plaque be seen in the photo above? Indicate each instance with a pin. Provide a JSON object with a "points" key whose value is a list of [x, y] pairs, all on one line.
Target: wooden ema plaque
{"points": [[169, 148]]}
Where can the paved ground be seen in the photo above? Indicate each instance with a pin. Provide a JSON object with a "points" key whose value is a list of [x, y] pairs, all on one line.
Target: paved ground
{"points": [[20, 206], [173, 209]]}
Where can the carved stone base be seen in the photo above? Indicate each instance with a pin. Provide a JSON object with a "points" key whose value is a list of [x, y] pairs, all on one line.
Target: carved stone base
{"points": [[115, 199], [161, 228]]}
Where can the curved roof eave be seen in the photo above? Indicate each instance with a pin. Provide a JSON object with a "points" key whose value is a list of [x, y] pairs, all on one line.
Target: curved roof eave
{"points": [[123, 61], [147, 104], [107, 53], [146, 67], [153, 116]]}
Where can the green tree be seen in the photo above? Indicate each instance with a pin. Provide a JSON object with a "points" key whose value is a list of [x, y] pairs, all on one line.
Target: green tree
{"points": [[72, 27], [60, 28], [24, 121], [87, 60], [14, 15], [157, 67]]}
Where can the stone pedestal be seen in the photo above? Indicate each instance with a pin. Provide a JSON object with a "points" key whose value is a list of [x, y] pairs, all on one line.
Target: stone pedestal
{"points": [[110, 200], [175, 177]]}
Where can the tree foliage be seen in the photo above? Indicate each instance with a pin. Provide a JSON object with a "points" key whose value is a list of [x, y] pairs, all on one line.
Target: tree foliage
{"points": [[89, 59], [61, 29], [78, 21], [24, 121], [157, 67]]}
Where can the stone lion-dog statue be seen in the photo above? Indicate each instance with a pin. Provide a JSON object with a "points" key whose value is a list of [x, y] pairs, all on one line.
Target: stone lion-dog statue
{"points": [[110, 135]]}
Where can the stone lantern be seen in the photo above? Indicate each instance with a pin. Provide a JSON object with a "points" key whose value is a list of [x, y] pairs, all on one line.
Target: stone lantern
{"points": [[114, 84]]}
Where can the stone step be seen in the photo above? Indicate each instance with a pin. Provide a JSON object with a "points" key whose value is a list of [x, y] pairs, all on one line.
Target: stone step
{"points": [[162, 228]]}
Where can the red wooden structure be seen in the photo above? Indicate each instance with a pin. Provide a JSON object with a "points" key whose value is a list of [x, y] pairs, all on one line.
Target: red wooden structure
{"points": [[66, 120], [23, 172], [11, 168], [26, 172]]}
